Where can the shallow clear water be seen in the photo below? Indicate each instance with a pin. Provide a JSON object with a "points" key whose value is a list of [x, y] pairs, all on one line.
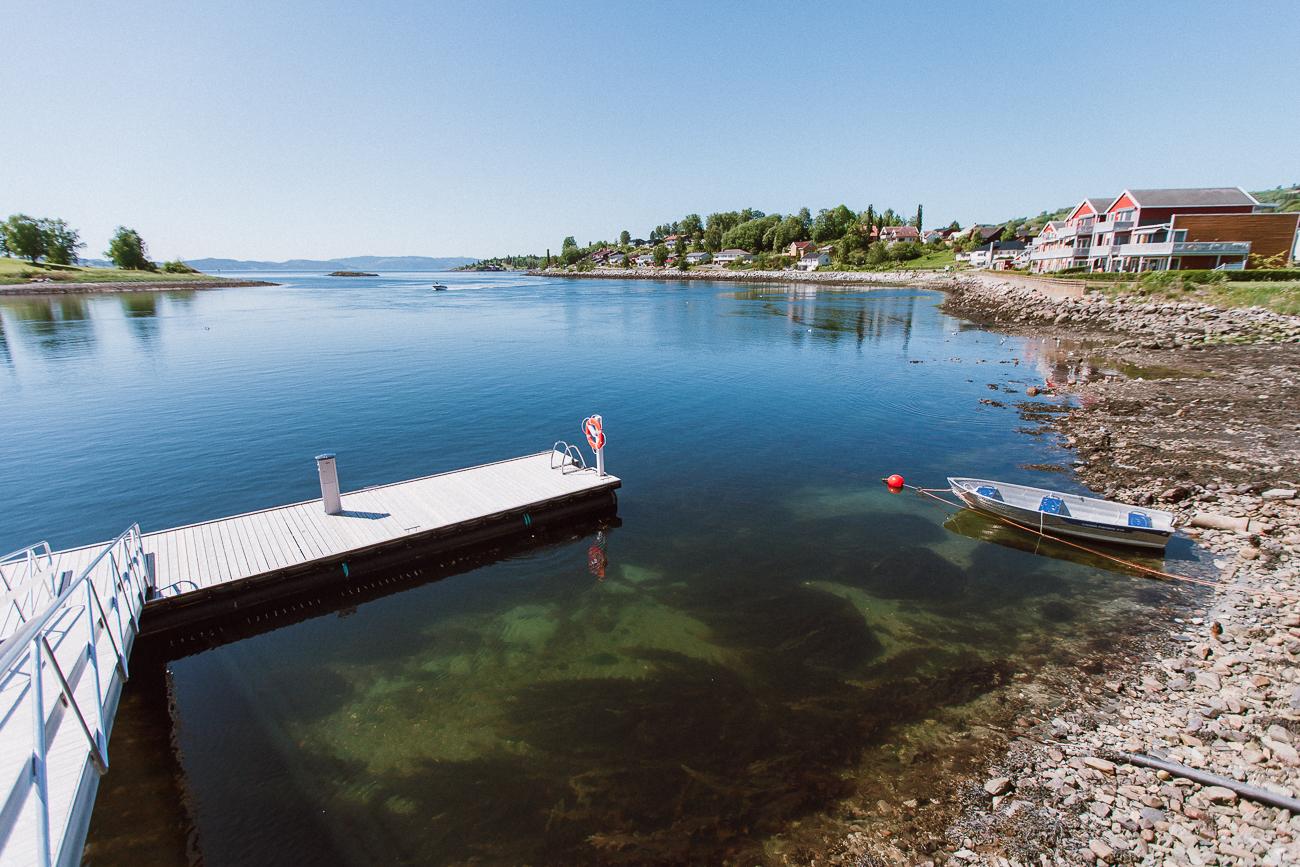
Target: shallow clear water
{"points": [[769, 615]]}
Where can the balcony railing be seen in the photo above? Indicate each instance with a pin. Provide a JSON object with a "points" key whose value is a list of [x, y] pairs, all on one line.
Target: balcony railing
{"points": [[1184, 248]]}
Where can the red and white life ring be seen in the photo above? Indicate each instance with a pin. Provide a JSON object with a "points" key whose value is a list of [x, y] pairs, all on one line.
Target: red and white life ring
{"points": [[594, 427]]}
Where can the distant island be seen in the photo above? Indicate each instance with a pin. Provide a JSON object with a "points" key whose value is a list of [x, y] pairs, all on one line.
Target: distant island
{"points": [[351, 274], [360, 263]]}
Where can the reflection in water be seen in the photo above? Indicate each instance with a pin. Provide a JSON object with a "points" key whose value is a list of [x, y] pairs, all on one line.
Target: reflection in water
{"points": [[6, 355], [58, 327], [141, 311], [832, 314]]}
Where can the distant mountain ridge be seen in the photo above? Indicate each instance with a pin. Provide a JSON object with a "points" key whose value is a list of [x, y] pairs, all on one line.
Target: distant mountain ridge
{"points": [[356, 263]]}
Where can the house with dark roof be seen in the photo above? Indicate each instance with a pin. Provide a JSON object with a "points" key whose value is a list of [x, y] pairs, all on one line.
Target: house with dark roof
{"points": [[1167, 229], [890, 234]]}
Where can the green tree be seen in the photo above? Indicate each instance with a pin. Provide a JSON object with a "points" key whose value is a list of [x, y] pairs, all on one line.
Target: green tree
{"points": [[568, 242], [127, 250], [832, 224], [660, 253], [877, 254], [24, 237], [624, 238], [61, 242], [691, 224], [749, 234], [916, 221], [786, 232], [679, 248], [713, 239]]}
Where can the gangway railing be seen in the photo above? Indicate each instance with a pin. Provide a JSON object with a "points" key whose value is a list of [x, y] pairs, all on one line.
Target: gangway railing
{"points": [[61, 675], [27, 576]]}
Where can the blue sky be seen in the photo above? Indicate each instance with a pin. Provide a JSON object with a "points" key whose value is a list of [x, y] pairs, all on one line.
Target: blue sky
{"points": [[321, 129]]}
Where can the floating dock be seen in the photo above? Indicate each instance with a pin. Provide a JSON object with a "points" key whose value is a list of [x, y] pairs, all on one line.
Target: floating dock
{"points": [[72, 616]]}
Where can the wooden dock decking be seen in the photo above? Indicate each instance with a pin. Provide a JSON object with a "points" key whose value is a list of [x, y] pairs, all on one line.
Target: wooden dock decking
{"points": [[212, 553], [95, 597]]}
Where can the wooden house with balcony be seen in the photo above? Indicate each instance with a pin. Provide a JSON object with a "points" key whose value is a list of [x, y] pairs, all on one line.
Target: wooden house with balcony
{"points": [[1166, 229]]}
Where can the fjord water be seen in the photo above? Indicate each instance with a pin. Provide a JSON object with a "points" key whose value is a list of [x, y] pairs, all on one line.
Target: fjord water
{"points": [[770, 621]]}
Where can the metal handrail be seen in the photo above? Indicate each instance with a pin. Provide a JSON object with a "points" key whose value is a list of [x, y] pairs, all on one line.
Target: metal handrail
{"points": [[572, 453], [61, 630], [22, 594]]}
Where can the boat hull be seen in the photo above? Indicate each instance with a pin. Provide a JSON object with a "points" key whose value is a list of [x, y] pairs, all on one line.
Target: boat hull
{"points": [[1061, 525]]}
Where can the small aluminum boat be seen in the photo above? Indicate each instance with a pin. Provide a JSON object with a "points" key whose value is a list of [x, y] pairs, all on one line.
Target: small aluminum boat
{"points": [[1067, 514]]}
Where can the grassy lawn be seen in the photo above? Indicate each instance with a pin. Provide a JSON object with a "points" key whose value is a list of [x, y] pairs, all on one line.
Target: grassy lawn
{"points": [[18, 271], [932, 260], [1281, 296]]}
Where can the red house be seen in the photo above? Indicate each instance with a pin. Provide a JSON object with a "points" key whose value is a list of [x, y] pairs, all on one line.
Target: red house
{"points": [[1166, 229]]}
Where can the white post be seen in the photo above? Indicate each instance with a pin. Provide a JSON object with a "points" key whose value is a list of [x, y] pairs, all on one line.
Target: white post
{"points": [[329, 484], [600, 461]]}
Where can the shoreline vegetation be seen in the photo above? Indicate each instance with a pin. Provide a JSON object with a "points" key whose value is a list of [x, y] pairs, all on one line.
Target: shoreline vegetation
{"points": [[25, 278]]}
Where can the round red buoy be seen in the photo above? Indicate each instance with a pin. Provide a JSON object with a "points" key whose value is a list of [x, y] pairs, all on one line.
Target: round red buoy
{"points": [[894, 481]]}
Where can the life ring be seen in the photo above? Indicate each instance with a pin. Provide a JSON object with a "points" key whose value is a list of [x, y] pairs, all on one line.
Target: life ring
{"points": [[594, 427]]}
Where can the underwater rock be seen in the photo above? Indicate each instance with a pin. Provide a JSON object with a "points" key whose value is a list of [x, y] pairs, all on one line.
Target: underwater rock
{"points": [[916, 573]]}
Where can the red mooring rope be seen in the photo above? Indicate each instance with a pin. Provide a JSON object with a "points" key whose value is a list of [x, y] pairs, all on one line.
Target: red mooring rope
{"points": [[1156, 573]]}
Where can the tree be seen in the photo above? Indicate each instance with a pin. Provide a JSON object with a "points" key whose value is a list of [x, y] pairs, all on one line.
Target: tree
{"points": [[877, 254], [24, 237], [691, 224], [660, 252], [832, 224], [61, 242], [916, 221], [713, 239], [679, 249], [127, 250], [624, 238], [749, 234], [568, 242]]}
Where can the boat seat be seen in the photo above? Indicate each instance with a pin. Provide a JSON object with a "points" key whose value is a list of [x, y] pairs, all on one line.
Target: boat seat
{"points": [[1053, 506], [989, 492], [1139, 519]]}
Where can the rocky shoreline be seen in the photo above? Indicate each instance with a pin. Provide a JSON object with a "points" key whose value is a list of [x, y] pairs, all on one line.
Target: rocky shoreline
{"points": [[55, 287], [1205, 425]]}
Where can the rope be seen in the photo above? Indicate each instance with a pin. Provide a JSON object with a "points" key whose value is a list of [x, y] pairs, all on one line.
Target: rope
{"points": [[930, 492], [1147, 570]]}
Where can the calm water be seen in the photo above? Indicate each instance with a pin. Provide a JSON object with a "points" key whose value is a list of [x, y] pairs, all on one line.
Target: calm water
{"points": [[770, 619]]}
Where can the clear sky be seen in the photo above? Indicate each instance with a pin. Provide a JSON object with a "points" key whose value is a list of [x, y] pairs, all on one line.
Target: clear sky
{"points": [[317, 129]]}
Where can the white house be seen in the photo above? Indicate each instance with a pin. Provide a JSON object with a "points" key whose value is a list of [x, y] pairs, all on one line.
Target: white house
{"points": [[644, 261], [696, 258], [813, 261], [727, 257], [998, 254]]}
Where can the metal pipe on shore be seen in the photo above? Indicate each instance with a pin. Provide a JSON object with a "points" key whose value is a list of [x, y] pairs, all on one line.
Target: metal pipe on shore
{"points": [[1245, 790]]}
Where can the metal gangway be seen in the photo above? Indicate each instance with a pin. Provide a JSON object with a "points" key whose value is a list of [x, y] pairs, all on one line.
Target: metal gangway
{"points": [[61, 674]]}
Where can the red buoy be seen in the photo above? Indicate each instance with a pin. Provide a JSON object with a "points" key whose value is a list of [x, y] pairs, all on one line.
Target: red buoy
{"points": [[895, 481]]}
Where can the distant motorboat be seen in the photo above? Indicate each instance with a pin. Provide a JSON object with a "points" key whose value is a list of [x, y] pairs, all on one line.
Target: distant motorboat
{"points": [[1067, 514], [439, 287]]}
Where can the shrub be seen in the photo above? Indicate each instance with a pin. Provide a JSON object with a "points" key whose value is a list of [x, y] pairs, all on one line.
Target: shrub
{"points": [[176, 266]]}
